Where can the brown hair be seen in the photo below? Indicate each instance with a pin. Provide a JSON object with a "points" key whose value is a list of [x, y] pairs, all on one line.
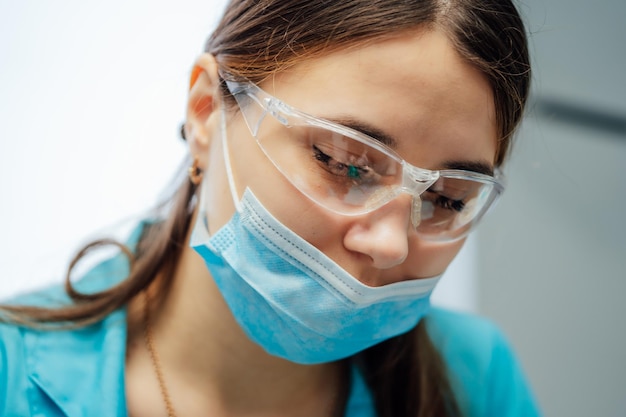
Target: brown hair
{"points": [[257, 38]]}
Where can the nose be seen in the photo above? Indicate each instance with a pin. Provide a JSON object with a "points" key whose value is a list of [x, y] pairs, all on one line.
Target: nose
{"points": [[382, 234]]}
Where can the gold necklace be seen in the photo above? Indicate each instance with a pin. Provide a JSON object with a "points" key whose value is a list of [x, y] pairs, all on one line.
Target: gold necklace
{"points": [[156, 363]]}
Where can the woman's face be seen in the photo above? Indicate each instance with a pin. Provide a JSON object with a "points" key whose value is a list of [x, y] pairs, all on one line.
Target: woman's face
{"points": [[415, 89]]}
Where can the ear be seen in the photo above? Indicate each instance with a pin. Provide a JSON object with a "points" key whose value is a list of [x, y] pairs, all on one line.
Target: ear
{"points": [[202, 106]]}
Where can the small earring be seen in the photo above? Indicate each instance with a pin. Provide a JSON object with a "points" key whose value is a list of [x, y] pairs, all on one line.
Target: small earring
{"points": [[195, 173]]}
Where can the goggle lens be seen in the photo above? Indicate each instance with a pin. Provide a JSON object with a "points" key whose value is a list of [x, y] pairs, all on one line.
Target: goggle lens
{"points": [[334, 170]]}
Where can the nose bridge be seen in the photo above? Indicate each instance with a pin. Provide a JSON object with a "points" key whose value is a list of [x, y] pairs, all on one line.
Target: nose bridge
{"points": [[382, 234], [416, 180]]}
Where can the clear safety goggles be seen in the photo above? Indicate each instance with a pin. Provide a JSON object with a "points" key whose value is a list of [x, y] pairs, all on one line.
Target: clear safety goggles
{"points": [[350, 173]]}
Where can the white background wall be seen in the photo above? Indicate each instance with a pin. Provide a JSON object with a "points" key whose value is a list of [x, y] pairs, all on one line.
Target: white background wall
{"points": [[91, 98]]}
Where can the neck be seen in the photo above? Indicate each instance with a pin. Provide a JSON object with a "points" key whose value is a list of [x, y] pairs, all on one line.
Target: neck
{"points": [[204, 351]]}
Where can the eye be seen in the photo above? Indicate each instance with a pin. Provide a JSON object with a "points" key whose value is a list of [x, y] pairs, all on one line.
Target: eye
{"points": [[444, 202], [449, 203], [321, 156], [344, 166]]}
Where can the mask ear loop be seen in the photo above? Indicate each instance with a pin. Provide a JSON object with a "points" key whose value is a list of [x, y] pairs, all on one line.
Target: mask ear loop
{"points": [[201, 234], [229, 169]]}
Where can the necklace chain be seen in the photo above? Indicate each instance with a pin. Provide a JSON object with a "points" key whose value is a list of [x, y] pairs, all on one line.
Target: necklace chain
{"points": [[154, 357], [156, 365]]}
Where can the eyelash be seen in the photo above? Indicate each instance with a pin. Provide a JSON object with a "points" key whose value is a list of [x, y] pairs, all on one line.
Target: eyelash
{"points": [[321, 156]]}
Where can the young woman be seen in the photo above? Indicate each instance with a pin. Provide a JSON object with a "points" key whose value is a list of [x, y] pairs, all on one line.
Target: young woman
{"points": [[340, 152]]}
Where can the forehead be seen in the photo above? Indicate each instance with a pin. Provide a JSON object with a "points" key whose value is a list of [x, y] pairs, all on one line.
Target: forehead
{"points": [[414, 87]]}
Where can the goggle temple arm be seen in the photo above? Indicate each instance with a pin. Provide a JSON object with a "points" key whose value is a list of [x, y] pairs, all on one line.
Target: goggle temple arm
{"points": [[244, 94]]}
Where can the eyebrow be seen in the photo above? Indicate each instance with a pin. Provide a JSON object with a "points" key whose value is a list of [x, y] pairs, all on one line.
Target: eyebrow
{"points": [[474, 166], [369, 130]]}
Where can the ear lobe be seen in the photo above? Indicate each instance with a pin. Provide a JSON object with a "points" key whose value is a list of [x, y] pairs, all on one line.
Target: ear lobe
{"points": [[202, 103]]}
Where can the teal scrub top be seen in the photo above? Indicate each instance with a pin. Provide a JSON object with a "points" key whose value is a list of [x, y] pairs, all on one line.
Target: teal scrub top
{"points": [[80, 372]]}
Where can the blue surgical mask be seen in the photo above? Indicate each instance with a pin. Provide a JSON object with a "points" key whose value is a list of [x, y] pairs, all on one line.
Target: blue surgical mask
{"points": [[292, 299]]}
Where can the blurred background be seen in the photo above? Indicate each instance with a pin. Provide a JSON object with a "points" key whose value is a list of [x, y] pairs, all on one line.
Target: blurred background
{"points": [[92, 95], [552, 257]]}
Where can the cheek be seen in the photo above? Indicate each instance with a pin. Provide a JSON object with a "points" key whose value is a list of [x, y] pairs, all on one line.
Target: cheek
{"points": [[428, 259], [301, 215], [252, 169]]}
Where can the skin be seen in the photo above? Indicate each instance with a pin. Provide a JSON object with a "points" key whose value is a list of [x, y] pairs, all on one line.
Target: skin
{"points": [[414, 88]]}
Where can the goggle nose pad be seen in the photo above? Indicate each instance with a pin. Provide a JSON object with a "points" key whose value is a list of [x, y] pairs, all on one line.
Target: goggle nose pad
{"points": [[416, 181], [416, 211]]}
